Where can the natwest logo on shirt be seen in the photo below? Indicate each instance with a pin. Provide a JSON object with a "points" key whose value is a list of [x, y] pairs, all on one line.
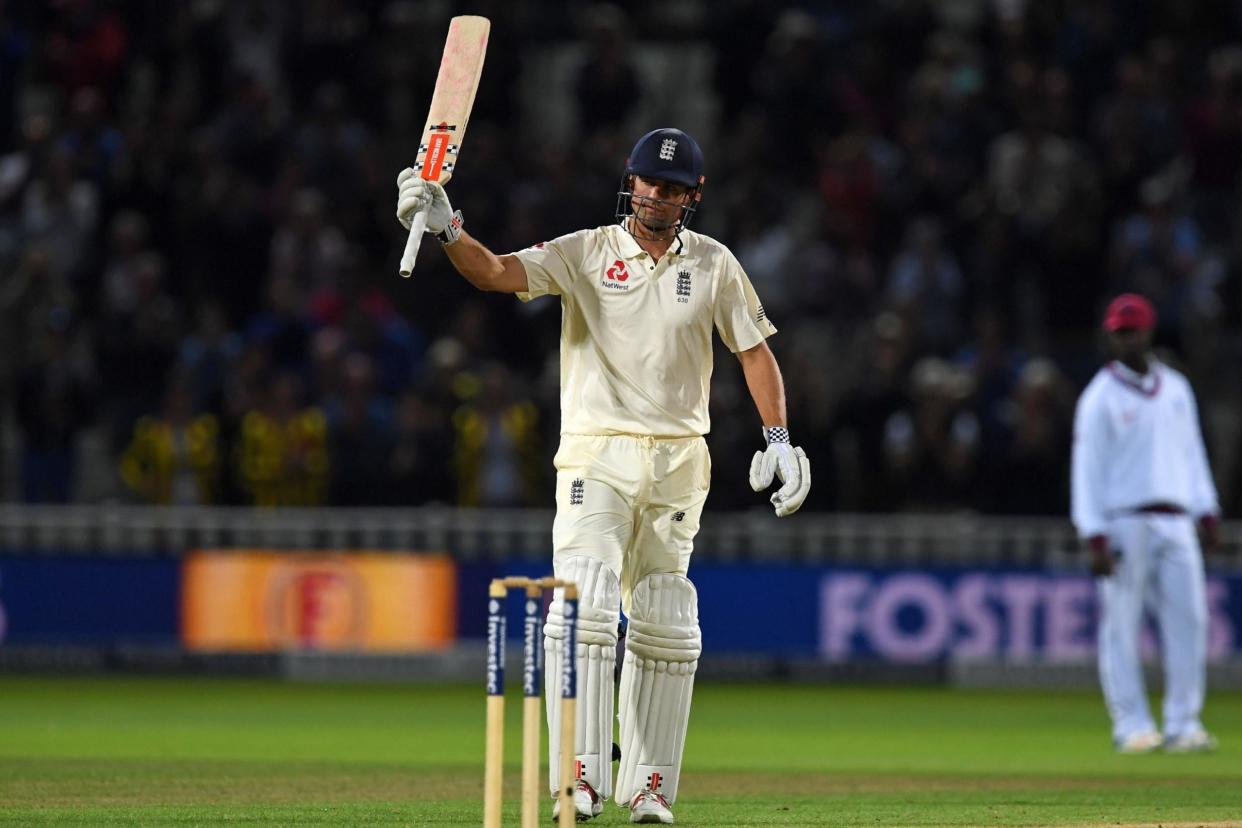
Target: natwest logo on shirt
{"points": [[615, 276]]}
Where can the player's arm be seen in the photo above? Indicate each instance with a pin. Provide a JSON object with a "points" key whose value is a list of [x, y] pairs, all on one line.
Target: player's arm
{"points": [[1087, 460], [744, 327], [767, 388], [780, 458], [473, 260], [483, 268], [1205, 504]]}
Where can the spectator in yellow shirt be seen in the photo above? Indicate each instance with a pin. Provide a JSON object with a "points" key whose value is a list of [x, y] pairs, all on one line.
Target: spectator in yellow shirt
{"points": [[174, 458], [282, 456]]}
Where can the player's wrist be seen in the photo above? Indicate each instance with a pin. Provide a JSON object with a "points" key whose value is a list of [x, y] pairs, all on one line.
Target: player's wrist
{"points": [[452, 231], [775, 434]]}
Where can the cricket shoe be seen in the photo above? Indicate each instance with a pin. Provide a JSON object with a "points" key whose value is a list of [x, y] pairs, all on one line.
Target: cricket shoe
{"points": [[649, 807], [1192, 741], [587, 804], [1145, 741]]}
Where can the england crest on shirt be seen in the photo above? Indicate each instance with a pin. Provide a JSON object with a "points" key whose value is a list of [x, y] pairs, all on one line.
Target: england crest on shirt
{"points": [[683, 286]]}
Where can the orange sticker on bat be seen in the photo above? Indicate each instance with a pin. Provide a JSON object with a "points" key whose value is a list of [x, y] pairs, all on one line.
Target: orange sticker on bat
{"points": [[437, 148]]}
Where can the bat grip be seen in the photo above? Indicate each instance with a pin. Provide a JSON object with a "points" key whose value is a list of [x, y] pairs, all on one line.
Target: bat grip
{"points": [[417, 225]]}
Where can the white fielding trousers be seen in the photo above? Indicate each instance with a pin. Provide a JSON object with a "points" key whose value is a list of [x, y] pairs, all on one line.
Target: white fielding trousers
{"points": [[1159, 566]]}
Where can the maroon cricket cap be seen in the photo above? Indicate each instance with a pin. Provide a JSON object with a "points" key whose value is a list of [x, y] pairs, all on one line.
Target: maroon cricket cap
{"points": [[1129, 311]]}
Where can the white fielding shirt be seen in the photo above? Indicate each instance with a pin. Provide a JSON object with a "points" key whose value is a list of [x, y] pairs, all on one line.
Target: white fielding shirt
{"points": [[1137, 442], [636, 335]]}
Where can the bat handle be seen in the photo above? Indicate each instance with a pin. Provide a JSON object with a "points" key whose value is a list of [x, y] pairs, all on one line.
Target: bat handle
{"points": [[417, 225]]}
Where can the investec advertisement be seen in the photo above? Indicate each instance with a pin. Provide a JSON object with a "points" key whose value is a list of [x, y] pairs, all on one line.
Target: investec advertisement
{"points": [[925, 615]]}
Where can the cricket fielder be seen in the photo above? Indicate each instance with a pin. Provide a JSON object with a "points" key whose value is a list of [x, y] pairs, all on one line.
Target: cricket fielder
{"points": [[1140, 478], [639, 300]]}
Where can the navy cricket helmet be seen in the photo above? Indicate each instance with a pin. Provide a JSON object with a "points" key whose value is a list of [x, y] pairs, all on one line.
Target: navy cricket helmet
{"points": [[665, 155], [668, 155]]}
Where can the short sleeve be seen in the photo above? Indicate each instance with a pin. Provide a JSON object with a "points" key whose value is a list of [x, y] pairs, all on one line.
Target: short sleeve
{"points": [[551, 266], [740, 318]]}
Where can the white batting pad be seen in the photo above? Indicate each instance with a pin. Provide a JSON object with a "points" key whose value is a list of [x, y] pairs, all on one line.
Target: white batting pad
{"points": [[657, 679], [599, 602]]}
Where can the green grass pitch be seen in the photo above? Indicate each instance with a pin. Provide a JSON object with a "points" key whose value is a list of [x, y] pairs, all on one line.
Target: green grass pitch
{"points": [[179, 751]]}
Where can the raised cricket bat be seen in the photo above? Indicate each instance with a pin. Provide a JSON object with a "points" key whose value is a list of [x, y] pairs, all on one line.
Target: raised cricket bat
{"points": [[460, 68]]}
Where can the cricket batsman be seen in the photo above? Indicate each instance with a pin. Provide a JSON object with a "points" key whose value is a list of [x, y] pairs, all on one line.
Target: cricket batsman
{"points": [[1140, 482], [639, 299]]}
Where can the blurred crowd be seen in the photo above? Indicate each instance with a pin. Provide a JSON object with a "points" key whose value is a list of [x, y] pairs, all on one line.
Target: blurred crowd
{"points": [[934, 200]]}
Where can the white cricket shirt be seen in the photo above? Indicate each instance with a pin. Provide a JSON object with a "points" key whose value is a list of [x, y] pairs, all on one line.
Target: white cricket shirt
{"points": [[1137, 442], [636, 335]]}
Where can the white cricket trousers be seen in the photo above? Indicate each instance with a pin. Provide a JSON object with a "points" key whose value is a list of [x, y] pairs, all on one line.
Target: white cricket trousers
{"points": [[632, 502], [1160, 566]]}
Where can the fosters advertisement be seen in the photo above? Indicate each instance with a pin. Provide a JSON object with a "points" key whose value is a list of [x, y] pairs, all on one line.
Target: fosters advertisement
{"points": [[919, 616], [265, 600]]}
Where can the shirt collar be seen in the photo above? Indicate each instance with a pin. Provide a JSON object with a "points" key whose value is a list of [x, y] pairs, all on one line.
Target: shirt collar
{"points": [[626, 246], [630, 249], [1147, 382]]}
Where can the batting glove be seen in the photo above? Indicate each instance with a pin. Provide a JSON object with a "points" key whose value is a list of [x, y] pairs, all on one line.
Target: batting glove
{"points": [[416, 193], [786, 462]]}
